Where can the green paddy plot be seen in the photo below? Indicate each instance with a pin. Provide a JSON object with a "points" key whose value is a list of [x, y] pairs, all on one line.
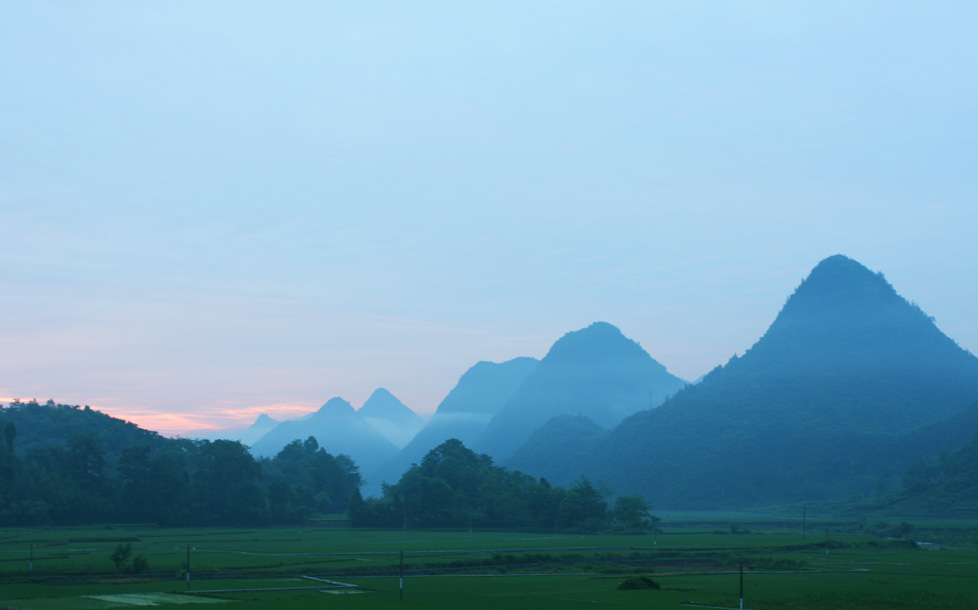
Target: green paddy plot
{"points": [[693, 563]]}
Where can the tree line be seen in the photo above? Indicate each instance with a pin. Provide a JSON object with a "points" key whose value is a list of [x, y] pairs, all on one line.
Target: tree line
{"points": [[69, 465], [455, 487], [100, 474]]}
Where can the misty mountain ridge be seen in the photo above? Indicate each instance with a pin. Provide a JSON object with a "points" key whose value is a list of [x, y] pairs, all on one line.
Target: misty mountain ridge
{"points": [[811, 411], [391, 417], [849, 385], [250, 435], [338, 428], [463, 414], [594, 372]]}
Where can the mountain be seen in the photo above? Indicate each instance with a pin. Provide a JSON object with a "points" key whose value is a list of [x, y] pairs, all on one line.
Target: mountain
{"points": [[262, 426], [596, 372], [479, 394], [248, 436], [338, 428], [846, 386], [391, 418]]}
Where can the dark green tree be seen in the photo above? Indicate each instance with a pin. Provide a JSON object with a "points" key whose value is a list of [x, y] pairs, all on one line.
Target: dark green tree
{"points": [[632, 514], [225, 485]]}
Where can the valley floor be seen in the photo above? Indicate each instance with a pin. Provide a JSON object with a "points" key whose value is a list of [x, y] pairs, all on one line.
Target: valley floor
{"points": [[695, 560]]}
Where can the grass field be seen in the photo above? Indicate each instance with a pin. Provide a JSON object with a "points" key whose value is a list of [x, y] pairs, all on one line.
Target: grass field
{"points": [[695, 560]]}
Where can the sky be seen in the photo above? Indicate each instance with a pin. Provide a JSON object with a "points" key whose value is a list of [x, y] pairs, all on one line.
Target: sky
{"points": [[212, 210]]}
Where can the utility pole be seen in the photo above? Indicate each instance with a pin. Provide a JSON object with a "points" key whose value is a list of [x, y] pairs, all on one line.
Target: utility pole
{"points": [[402, 577], [741, 585], [188, 567]]}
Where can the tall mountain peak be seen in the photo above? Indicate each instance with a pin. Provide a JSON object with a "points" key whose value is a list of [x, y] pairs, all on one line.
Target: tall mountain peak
{"points": [[839, 283], [844, 306], [847, 367]]}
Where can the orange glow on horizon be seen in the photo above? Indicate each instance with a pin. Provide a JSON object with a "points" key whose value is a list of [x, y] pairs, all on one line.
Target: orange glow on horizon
{"points": [[207, 420], [210, 418]]}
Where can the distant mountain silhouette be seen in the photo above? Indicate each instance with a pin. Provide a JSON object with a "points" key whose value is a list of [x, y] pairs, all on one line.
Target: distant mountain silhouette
{"points": [[815, 409], [338, 428], [479, 394], [391, 418], [596, 372], [248, 436]]}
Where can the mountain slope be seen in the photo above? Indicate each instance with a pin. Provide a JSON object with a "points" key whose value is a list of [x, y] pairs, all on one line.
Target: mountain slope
{"points": [[338, 428], [811, 411], [595, 372], [391, 417], [560, 447]]}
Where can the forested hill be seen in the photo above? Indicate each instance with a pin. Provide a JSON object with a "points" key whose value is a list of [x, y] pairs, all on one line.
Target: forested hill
{"points": [[946, 486], [65, 465], [36, 425], [847, 366]]}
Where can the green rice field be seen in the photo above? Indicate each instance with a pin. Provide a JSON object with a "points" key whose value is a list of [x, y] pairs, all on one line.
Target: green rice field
{"points": [[695, 561]]}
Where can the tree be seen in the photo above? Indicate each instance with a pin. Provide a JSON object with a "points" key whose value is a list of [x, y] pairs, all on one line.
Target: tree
{"points": [[9, 433], [225, 484], [120, 556], [358, 513], [583, 507], [631, 514], [85, 458]]}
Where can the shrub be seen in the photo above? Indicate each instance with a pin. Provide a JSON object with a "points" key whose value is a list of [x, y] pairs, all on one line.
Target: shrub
{"points": [[638, 582]]}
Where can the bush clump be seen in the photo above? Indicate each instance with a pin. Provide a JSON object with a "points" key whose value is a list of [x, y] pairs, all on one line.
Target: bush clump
{"points": [[638, 582]]}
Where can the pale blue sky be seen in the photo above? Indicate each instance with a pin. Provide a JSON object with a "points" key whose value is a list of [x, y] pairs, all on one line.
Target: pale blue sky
{"points": [[213, 209]]}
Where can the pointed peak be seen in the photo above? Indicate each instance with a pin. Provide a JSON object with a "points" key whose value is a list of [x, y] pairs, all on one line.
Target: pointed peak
{"points": [[841, 268], [381, 394], [839, 282], [385, 405], [264, 420], [334, 406]]}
